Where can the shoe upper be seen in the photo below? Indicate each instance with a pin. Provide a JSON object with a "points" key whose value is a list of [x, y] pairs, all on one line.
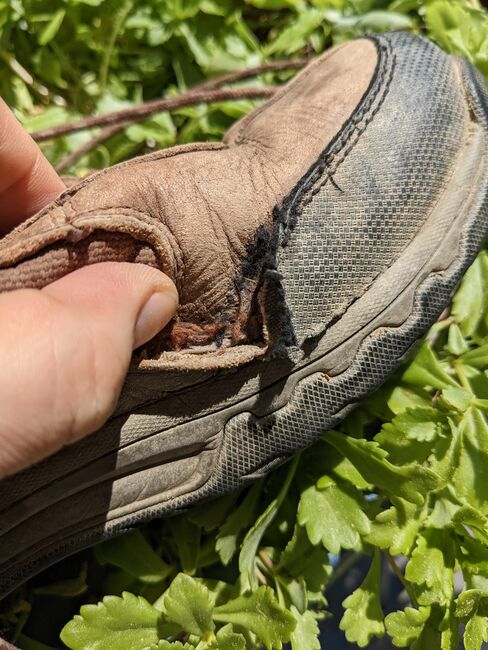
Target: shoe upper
{"points": [[271, 234], [334, 221], [202, 213], [375, 185]]}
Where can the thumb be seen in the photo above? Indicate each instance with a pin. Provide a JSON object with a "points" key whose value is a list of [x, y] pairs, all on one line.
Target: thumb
{"points": [[65, 352]]}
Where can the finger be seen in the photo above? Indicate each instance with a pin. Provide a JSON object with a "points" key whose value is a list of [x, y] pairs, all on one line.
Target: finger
{"points": [[65, 352], [27, 180]]}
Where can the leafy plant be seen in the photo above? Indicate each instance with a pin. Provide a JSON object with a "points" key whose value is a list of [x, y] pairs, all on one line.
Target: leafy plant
{"points": [[401, 482]]}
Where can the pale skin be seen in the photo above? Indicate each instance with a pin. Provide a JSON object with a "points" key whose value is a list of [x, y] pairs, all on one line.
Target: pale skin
{"points": [[64, 349]]}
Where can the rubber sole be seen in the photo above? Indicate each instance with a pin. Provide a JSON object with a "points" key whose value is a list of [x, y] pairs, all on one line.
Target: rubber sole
{"points": [[148, 465]]}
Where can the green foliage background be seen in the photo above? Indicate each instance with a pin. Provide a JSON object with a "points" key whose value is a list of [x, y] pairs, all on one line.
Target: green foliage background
{"points": [[403, 482]]}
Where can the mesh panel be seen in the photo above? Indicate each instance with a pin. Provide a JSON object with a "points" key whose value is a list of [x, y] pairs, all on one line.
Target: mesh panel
{"points": [[382, 191], [252, 442]]}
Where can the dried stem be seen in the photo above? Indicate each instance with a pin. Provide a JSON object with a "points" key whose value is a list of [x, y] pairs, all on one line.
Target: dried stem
{"points": [[260, 576], [239, 75], [211, 84], [85, 148], [266, 560], [135, 113]]}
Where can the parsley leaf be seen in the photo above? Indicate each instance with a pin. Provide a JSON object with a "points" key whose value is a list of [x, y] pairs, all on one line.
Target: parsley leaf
{"points": [[363, 616], [260, 613], [125, 623], [189, 604]]}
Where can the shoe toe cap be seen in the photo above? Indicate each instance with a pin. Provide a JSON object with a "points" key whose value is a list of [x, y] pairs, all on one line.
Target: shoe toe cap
{"points": [[377, 185]]}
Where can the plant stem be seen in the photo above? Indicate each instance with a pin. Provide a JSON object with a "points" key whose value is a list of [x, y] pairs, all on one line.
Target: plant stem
{"points": [[343, 568], [266, 560], [458, 367], [85, 148], [118, 23], [400, 576], [239, 75], [260, 576], [211, 84], [135, 113]]}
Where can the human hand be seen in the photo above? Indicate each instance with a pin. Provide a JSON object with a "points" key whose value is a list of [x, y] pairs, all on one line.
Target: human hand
{"points": [[64, 349]]}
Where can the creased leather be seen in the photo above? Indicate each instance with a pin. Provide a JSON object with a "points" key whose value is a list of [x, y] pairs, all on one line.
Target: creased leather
{"points": [[199, 212]]}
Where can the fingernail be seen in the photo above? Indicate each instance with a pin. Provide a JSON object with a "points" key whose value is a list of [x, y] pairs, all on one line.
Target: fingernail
{"points": [[155, 314]]}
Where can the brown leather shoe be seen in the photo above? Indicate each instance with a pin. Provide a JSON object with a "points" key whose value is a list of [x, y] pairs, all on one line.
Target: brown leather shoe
{"points": [[311, 249]]}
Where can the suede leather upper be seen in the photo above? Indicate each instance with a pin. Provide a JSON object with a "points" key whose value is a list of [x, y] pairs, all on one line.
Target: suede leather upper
{"points": [[198, 211]]}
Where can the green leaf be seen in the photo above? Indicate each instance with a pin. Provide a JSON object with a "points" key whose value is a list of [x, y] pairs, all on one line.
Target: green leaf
{"points": [[409, 437], [468, 602], [457, 398], [363, 616], [188, 539], [476, 632], [470, 304], [274, 4], [467, 517], [210, 516], [477, 358], [397, 527], [473, 604], [444, 510], [133, 554], [189, 604], [260, 613], [228, 537], [431, 637], [51, 29], [449, 628], [431, 566], [459, 29], [408, 397], [456, 343], [227, 639], [305, 636], [473, 556], [470, 474], [404, 627], [126, 623], [295, 37], [378, 21], [50, 116], [410, 482], [254, 536], [341, 469], [401, 449], [333, 516], [421, 424], [302, 560], [291, 592], [427, 370]]}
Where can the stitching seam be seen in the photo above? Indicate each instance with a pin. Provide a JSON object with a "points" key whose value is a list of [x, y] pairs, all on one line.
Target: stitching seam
{"points": [[357, 126]]}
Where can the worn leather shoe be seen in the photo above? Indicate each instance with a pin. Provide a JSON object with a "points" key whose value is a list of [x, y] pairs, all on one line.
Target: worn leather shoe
{"points": [[311, 249]]}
